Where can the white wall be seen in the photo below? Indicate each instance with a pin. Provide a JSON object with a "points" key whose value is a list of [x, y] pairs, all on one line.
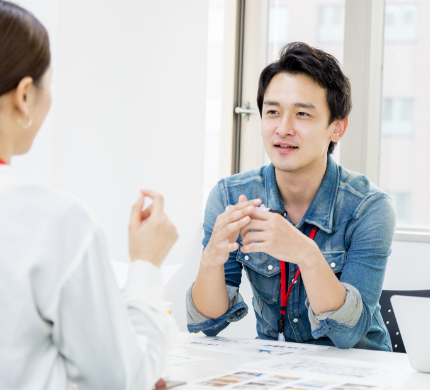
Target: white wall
{"points": [[408, 266], [129, 113]]}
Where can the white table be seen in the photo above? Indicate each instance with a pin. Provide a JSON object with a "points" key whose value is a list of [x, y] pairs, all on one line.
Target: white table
{"points": [[223, 362]]}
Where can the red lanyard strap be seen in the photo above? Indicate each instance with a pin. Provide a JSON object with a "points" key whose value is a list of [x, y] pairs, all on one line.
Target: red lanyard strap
{"points": [[284, 294]]}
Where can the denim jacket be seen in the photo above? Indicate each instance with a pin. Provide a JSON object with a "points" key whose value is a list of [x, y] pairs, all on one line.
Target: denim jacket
{"points": [[356, 224]]}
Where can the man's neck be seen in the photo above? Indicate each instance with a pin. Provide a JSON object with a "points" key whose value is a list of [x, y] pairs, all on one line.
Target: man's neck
{"points": [[298, 188]]}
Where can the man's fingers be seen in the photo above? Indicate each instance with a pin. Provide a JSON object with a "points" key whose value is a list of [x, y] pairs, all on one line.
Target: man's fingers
{"points": [[262, 215], [242, 205], [234, 227], [254, 237], [252, 248], [233, 247], [253, 225], [136, 212], [242, 198], [237, 215], [158, 201]]}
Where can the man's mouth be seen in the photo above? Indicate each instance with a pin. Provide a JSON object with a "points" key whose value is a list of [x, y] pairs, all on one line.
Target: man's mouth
{"points": [[286, 146]]}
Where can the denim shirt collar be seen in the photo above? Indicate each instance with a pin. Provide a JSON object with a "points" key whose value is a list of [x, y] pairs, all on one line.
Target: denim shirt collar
{"points": [[320, 212]]}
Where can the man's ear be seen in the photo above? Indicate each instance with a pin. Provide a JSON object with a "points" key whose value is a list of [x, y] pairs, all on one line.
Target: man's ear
{"points": [[21, 95], [340, 126]]}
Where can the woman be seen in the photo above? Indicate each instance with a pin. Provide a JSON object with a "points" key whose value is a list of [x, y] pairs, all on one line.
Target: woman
{"points": [[63, 320]]}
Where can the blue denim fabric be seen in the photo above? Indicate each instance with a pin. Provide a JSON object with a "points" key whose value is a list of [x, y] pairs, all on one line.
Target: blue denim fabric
{"points": [[356, 222]]}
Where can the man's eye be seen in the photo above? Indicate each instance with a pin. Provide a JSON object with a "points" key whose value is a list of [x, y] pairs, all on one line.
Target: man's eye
{"points": [[302, 114], [272, 112]]}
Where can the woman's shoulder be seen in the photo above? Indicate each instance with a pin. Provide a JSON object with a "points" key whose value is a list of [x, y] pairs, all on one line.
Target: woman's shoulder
{"points": [[45, 204]]}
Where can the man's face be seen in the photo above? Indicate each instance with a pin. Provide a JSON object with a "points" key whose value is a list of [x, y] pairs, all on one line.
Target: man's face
{"points": [[294, 125]]}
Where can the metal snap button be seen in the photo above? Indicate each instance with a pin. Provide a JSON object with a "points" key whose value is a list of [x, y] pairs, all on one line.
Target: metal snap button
{"points": [[295, 282], [246, 257], [270, 267], [332, 265], [295, 320]]}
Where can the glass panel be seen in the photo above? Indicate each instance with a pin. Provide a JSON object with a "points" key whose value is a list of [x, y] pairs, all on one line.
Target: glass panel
{"points": [[213, 96], [405, 115], [314, 22]]}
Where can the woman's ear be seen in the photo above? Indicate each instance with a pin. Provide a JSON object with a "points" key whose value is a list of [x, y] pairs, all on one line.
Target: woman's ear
{"points": [[339, 129], [21, 95]]}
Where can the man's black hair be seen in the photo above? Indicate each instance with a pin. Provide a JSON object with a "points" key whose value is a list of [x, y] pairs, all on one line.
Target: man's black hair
{"points": [[300, 58]]}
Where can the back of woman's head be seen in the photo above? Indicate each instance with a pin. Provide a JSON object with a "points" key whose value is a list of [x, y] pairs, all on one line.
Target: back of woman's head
{"points": [[24, 47]]}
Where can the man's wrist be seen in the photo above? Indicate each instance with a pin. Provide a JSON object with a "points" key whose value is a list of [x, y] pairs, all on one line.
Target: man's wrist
{"points": [[310, 257], [208, 263]]}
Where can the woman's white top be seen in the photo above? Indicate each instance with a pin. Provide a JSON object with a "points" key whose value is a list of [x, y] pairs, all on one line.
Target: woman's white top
{"points": [[62, 318]]}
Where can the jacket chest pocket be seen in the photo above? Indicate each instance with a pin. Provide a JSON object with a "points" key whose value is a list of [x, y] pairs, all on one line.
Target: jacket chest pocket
{"points": [[264, 274], [336, 260]]}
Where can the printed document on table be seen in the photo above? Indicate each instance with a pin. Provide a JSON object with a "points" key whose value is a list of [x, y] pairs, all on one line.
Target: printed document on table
{"points": [[176, 359], [247, 379], [251, 347], [353, 371]]}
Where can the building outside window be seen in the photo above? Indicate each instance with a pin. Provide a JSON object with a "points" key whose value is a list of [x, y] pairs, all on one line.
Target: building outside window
{"points": [[405, 135], [397, 117], [402, 204], [331, 23], [401, 22]]}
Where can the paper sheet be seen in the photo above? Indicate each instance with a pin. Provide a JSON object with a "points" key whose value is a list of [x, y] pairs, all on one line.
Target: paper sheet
{"points": [[265, 380], [176, 359], [120, 270], [250, 347], [353, 371]]}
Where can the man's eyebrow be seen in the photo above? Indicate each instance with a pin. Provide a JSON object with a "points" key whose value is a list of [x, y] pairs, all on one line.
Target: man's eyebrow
{"points": [[270, 103], [298, 104], [305, 105]]}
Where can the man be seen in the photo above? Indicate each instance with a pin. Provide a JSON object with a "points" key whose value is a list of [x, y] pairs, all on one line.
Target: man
{"points": [[304, 100]]}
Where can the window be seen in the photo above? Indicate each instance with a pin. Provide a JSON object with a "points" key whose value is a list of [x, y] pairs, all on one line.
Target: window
{"points": [[331, 23], [404, 156], [397, 117], [401, 22], [277, 30], [402, 204]]}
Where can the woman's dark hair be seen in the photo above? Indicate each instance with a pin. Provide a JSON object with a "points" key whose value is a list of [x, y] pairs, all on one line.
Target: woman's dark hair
{"points": [[299, 58], [24, 47]]}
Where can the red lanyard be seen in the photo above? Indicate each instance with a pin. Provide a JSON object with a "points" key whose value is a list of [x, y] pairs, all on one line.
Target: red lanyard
{"points": [[285, 295], [2, 162]]}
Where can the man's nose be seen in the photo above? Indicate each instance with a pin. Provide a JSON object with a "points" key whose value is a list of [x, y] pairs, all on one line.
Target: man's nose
{"points": [[286, 127]]}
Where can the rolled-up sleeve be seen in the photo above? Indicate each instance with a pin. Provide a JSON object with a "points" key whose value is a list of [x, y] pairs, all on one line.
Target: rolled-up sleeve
{"points": [[197, 322], [346, 316], [369, 241], [237, 309]]}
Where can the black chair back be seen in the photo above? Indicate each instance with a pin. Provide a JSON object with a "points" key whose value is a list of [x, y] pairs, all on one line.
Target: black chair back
{"points": [[389, 317]]}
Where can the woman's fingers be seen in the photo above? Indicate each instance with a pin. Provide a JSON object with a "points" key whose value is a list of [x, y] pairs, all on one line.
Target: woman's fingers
{"points": [[136, 210], [147, 212], [158, 200]]}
